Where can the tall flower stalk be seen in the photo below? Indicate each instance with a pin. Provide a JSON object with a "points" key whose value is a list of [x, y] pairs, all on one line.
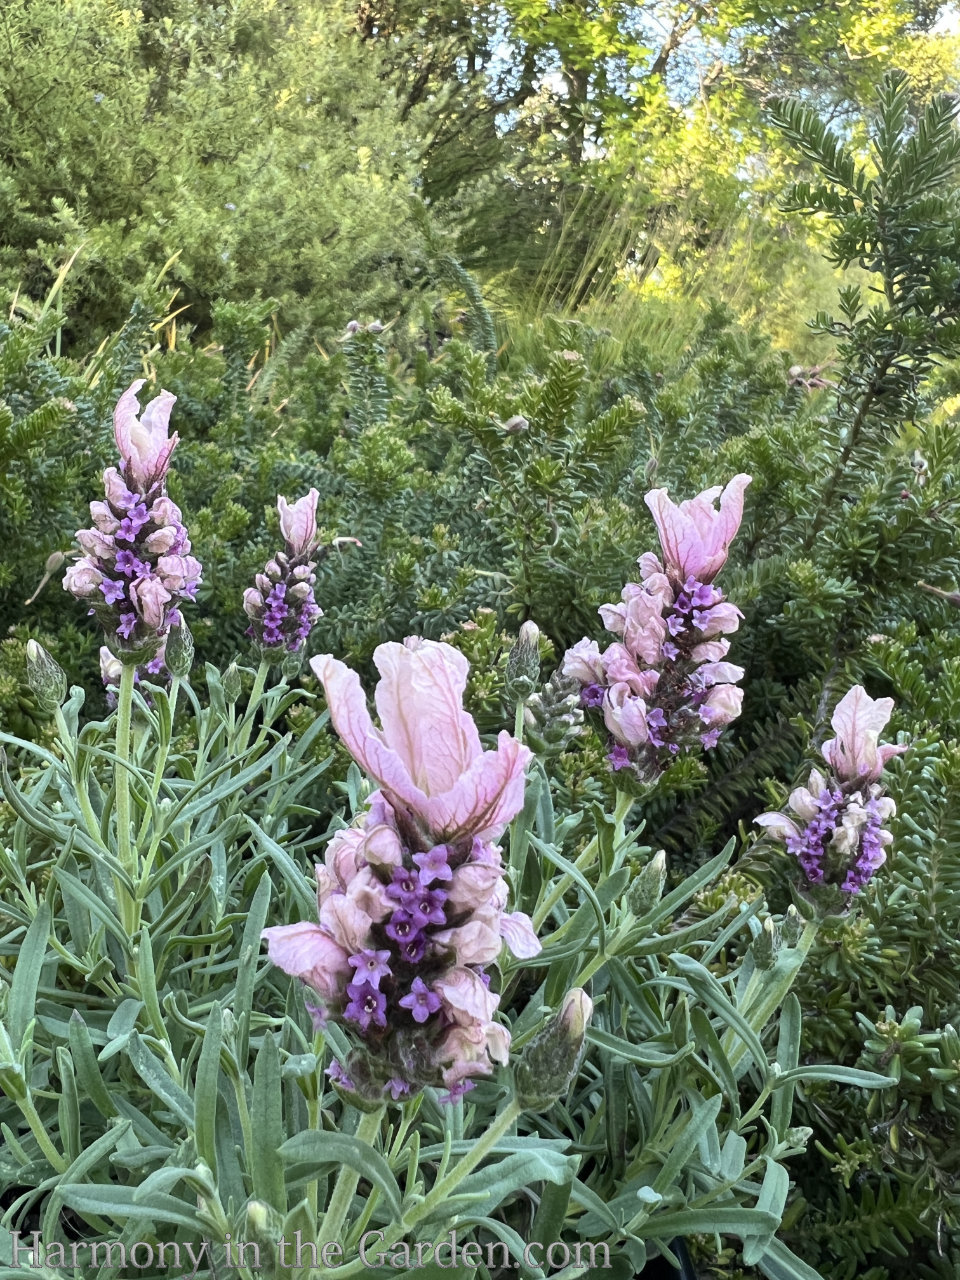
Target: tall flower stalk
{"points": [[281, 607], [837, 831], [136, 569], [663, 688], [412, 901], [135, 572]]}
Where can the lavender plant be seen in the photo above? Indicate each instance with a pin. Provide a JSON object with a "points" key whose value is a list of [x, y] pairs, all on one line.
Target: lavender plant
{"points": [[496, 1040]]}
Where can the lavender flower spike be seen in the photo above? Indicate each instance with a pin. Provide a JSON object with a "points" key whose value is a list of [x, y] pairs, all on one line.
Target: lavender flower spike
{"points": [[837, 829], [663, 687], [137, 568], [409, 923], [281, 607]]}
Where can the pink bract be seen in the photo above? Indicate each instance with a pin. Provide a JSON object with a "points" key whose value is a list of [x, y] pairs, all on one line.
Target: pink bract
{"points": [[696, 536], [427, 755], [298, 523], [856, 754], [143, 441]]}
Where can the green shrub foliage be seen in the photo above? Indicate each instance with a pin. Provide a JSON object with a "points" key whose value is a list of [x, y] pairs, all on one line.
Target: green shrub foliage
{"points": [[493, 476]]}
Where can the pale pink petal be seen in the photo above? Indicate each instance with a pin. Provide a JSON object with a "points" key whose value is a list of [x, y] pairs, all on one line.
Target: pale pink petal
{"points": [[620, 667], [517, 932], [252, 602], [306, 951], [678, 535], [486, 797], [731, 509], [298, 523], [111, 668], [710, 651], [651, 567], [582, 662], [420, 703], [858, 719], [366, 891], [472, 943], [103, 517], [465, 998], [723, 704], [346, 923], [83, 578], [96, 543], [613, 617], [722, 619], [498, 1043], [695, 536], [344, 856], [719, 672], [150, 600], [117, 490], [142, 442], [625, 715], [381, 846], [327, 883], [804, 804], [778, 825], [125, 415], [352, 721], [472, 886]]}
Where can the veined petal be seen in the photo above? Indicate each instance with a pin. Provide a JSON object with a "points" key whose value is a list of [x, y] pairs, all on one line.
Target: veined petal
{"points": [[364, 741], [306, 951], [778, 825], [516, 929], [854, 753], [420, 703], [484, 798]]}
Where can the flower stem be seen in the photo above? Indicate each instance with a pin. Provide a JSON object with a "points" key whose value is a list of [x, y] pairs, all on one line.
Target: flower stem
{"points": [[347, 1180], [518, 720], [442, 1189], [623, 806], [256, 694], [127, 854], [124, 716], [480, 1149], [44, 1141], [163, 753], [71, 750], [766, 991]]}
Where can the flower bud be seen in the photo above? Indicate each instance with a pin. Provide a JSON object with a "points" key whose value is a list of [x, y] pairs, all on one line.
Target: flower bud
{"points": [[523, 664], [178, 655], [646, 888], [45, 677], [231, 683], [766, 945], [292, 665], [515, 425], [550, 1060], [263, 1222], [792, 927], [12, 1080]]}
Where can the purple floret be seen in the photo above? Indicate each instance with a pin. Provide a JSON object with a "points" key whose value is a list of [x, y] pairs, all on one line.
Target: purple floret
{"points": [[421, 1001]]}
